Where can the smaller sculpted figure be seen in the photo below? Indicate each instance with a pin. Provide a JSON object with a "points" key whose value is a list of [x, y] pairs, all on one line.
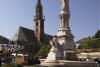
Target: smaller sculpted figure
{"points": [[55, 44], [56, 51]]}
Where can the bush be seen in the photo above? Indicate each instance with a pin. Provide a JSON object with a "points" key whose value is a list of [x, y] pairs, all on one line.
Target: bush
{"points": [[91, 43], [42, 53], [6, 65], [17, 65], [33, 61]]}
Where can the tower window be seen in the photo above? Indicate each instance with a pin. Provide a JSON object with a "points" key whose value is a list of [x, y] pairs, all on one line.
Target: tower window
{"points": [[36, 24]]}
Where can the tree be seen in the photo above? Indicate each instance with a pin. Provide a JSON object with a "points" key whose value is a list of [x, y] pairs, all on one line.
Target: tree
{"points": [[44, 49], [91, 43], [97, 34]]}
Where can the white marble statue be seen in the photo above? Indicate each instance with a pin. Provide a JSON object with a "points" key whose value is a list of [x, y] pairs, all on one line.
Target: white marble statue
{"points": [[64, 4], [55, 44], [56, 52]]}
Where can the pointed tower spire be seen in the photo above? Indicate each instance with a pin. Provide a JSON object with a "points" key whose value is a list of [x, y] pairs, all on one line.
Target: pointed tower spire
{"points": [[39, 22], [39, 9], [39, 3]]}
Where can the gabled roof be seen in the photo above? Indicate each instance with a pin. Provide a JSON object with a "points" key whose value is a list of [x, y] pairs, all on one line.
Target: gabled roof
{"points": [[3, 40], [48, 37], [24, 34]]}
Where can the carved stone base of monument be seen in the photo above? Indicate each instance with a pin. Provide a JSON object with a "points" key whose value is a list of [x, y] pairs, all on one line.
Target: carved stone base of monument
{"points": [[65, 39], [52, 63], [71, 55], [55, 54], [66, 63], [56, 59]]}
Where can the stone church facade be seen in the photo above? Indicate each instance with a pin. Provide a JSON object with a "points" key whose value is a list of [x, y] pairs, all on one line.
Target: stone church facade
{"points": [[31, 39]]}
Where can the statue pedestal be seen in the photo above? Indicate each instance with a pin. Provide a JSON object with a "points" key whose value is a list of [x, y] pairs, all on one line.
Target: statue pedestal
{"points": [[66, 63], [65, 39], [55, 54], [52, 63], [71, 55]]}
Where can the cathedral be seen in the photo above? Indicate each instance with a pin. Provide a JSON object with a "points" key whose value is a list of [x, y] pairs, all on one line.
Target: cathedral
{"points": [[30, 39]]}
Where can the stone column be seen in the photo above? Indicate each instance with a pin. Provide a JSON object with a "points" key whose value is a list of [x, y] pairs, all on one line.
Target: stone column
{"points": [[65, 38]]}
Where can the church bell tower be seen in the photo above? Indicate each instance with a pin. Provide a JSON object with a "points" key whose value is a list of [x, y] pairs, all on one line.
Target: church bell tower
{"points": [[39, 22]]}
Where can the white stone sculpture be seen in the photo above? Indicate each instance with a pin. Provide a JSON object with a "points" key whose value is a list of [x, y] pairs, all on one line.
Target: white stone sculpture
{"points": [[63, 4], [56, 52]]}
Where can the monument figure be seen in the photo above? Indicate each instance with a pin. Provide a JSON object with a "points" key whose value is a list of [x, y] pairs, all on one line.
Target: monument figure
{"points": [[56, 51], [56, 46], [64, 4]]}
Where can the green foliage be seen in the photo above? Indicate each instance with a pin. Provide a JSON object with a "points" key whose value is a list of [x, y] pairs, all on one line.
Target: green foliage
{"points": [[97, 35], [44, 49], [32, 61], [17, 65], [91, 43], [6, 65]]}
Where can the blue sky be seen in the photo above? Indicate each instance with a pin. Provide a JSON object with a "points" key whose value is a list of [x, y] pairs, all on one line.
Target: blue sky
{"points": [[84, 20]]}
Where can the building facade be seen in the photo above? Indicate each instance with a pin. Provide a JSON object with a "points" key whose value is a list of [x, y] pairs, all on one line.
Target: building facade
{"points": [[31, 39]]}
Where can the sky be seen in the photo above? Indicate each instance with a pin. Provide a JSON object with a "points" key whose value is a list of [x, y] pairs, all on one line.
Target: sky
{"points": [[84, 19]]}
